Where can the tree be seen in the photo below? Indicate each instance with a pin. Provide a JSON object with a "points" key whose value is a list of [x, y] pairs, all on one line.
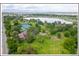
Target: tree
{"points": [[12, 45], [31, 35], [59, 34]]}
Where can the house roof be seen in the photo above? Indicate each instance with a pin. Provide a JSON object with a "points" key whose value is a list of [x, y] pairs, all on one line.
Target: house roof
{"points": [[24, 27]]}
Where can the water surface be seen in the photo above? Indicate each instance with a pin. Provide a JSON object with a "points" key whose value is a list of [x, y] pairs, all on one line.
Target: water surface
{"points": [[50, 20]]}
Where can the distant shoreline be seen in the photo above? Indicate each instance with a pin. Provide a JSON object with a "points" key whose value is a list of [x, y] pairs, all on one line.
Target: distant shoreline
{"points": [[40, 14]]}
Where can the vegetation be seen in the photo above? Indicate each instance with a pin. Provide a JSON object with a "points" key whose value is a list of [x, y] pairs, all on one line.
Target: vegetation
{"points": [[42, 38]]}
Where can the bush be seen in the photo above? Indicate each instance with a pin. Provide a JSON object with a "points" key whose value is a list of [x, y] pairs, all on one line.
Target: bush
{"points": [[26, 49], [70, 45], [67, 34]]}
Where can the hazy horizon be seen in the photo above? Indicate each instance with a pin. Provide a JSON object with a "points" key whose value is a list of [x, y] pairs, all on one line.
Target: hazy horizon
{"points": [[39, 8]]}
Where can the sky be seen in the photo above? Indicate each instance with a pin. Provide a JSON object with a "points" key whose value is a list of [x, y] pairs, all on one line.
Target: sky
{"points": [[39, 1], [39, 7]]}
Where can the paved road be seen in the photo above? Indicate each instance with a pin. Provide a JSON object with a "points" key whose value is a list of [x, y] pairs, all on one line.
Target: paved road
{"points": [[4, 44]]}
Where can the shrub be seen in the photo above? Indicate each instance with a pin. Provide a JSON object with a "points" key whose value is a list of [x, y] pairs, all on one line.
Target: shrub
{"points": [[70, 45], [26, 49], [67, 34]]}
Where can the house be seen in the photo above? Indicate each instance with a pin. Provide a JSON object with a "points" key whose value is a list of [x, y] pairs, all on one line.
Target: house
{"points": [[24, 28], [23, 35]]}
